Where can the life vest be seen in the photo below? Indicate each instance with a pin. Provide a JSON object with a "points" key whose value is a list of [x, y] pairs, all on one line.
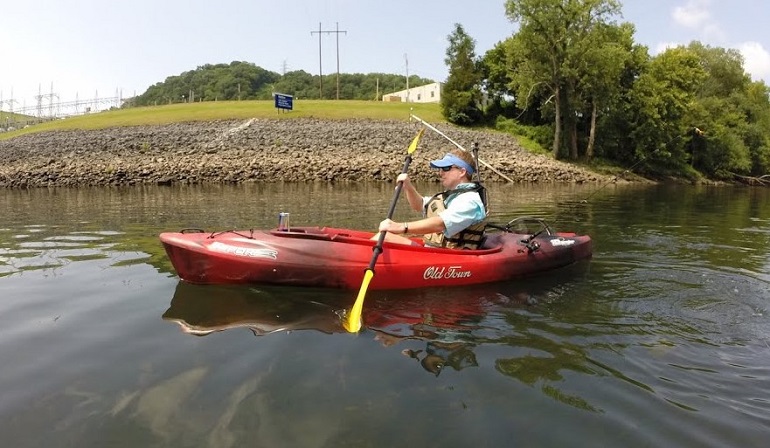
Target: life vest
{"points": [[469, 238]]}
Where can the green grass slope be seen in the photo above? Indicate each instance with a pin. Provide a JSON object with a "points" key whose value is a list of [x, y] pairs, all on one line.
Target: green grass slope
{"points": [[226, 110]]}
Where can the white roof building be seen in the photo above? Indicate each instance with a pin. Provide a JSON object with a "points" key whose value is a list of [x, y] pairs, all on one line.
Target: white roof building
{"points": [[429, 93]]}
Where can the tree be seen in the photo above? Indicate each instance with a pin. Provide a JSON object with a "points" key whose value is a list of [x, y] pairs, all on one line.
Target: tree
{"points": [[300, 84], [461, 96], [735, 114], [246, 81], [550, 36], [757, 132], [608, 53], [661, 98], [495, 77]]}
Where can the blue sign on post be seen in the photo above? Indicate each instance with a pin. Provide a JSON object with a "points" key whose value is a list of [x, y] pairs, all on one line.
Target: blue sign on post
{"points": [[283, 101]]}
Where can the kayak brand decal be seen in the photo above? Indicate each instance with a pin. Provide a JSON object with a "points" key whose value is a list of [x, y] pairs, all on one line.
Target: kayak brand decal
{"points": [[243, 251], [562, 242], [439, 273]]}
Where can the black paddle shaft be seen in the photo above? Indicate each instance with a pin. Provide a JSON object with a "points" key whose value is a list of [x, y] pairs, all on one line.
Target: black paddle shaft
{"points": [[378, 247]]}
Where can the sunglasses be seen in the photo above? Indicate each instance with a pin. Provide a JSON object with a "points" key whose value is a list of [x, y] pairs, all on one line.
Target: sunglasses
{"points": [[446, 168]]}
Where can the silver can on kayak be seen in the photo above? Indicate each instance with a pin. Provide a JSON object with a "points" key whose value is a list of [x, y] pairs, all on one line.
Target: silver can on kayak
{"points": [[283, 222]]}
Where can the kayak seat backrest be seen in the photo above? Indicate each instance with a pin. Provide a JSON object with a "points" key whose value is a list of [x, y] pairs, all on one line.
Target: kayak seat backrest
{"points": [[491, 241]]}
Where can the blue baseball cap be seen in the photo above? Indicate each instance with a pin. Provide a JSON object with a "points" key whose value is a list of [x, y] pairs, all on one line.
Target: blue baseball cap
{"points": [[450, 159]]}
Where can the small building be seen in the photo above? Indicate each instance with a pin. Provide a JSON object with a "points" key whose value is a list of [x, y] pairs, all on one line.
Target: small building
{"points": [[429, 93]]}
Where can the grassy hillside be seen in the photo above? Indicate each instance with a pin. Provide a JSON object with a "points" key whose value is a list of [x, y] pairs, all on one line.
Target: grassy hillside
{"points": [[224, 110], [12, 117]]}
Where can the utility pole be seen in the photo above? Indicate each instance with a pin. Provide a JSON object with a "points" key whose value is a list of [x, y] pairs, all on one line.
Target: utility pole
{"points": [[320, 66], [407, 77], [337, 33]]}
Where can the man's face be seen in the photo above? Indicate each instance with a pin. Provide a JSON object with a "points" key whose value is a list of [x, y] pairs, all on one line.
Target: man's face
{"points": [[452, 177]]}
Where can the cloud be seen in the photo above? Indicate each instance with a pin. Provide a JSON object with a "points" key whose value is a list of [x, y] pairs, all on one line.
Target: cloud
{"points": [[696, 14], [692, 15], [712, 32], [756, 60]]}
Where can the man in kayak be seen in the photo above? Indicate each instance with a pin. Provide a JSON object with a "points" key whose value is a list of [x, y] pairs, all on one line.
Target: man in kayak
{"points": [[454, 218]]}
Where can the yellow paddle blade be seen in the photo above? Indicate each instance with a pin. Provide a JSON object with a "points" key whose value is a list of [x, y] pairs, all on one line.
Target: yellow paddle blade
{"points": [[413, 145], [353, 323]]}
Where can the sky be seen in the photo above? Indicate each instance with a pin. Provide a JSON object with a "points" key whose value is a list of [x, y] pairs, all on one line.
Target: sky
{"points": [[82, 49]]}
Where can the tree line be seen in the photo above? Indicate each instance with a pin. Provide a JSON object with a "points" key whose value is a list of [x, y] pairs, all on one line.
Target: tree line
{"points": [[574, 80], [241, 80]]}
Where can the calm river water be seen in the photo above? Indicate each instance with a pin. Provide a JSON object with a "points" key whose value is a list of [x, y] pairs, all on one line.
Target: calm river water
{"points": [[662, 339]]}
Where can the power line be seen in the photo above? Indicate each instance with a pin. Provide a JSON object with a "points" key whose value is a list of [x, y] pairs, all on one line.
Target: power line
{"points": [[320, 66]]}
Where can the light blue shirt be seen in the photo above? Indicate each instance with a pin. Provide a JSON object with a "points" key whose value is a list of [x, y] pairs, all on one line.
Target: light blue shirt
{"points": [[462, 210]]}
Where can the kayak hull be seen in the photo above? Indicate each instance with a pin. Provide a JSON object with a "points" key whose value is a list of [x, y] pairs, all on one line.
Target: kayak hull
{"points": [[337, 258]]}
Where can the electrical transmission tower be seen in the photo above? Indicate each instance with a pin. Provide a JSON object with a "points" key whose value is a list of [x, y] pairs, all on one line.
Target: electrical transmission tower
{"points": [[50, 96], [10, 101], [320, 66]]}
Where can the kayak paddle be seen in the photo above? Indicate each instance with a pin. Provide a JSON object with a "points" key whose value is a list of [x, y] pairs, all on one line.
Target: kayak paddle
{"points": [[353, 323]]}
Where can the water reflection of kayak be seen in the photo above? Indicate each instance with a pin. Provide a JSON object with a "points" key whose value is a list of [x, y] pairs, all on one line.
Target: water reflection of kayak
{"points": [[447, 320], [426, 313], [204, 309]]}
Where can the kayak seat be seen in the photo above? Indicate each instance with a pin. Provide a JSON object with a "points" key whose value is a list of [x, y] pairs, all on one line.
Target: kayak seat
{"points": [[491, 241]]}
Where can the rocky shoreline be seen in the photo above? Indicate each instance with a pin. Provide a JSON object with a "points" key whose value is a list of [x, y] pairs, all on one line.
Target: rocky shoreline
{"points": [[261, 150]]}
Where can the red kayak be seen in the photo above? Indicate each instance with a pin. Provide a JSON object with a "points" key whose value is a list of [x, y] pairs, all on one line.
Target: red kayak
{"points": [[337, 258]]}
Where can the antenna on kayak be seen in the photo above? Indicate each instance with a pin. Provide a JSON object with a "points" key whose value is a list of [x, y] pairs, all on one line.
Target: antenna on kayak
{"points": [[477, 176], [475, 152]]}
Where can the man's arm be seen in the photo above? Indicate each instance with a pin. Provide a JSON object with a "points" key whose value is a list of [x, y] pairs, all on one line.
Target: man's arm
{"points": [[412, 195], [423, 226]]}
